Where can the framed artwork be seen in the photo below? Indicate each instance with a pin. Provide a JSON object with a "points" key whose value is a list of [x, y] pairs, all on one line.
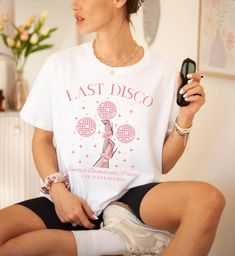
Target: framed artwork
{"points": [[216, 38]]}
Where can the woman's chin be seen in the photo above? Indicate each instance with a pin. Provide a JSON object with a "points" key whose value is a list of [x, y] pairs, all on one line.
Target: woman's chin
{"points": [[85, 31]]}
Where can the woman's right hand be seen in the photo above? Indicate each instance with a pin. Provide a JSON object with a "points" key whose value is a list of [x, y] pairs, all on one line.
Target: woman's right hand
{"points": [[71, 208]]}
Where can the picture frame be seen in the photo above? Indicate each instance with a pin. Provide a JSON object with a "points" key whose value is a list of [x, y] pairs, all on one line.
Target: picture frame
{"points": [[216, 38]]}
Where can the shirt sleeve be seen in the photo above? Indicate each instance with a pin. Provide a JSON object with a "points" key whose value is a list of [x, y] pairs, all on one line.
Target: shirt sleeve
{"points": [[37, 110], [173, 115], [174, 108]]}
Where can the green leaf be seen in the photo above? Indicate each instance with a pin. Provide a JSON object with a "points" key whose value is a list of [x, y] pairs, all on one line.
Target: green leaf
{"points": [[42, 38], [4, 38], [42, 47], [37, 27], [52, 30], [28, 50]]}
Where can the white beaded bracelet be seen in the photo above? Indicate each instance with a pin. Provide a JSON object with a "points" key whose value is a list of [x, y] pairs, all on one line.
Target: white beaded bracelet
{"points": [[55, 178], [180, 130]]}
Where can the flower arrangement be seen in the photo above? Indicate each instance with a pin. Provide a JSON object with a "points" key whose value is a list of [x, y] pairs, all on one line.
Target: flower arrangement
{"points": [[25, 39]]}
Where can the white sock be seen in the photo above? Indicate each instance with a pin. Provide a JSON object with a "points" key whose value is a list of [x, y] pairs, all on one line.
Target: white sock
{"points": [[98, 242]]}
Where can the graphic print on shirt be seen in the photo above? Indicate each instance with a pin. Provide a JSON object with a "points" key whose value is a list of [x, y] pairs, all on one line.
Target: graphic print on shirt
{"points": [[109, 127], [106, 110], [125, 133]]}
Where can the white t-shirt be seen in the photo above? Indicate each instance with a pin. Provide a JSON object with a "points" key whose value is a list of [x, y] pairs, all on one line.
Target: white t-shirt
{"points": [[109, 129]]}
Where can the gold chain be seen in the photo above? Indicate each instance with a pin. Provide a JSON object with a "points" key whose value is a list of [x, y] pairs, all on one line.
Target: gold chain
{"points": [[121, 62]]}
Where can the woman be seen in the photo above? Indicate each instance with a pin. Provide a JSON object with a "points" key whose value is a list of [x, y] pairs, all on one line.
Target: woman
{"points": [[109, 105]]}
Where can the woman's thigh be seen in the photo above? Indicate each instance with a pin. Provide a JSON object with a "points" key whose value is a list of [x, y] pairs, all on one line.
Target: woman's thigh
{"points": [[167, 204], [33, 214], [51, 242], [16, 220]]}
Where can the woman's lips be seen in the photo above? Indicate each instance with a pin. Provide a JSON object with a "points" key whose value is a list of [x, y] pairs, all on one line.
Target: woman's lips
{"points": [[79, 19]]}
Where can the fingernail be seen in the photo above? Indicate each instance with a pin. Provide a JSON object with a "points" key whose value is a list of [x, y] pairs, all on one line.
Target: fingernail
{"points": [[181, 91], [186, 99], [185, 95], [95, 217], [189, 76]]}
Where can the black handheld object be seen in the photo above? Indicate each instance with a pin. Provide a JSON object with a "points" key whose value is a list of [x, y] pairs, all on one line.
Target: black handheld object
{"points": [[188, 66]]}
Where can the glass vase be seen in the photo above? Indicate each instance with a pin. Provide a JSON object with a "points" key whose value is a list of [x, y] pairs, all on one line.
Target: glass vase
{"points": [[20, 90]]}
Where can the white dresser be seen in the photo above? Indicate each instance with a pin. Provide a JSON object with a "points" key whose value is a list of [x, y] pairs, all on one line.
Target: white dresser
{"points": [[19, 179]]}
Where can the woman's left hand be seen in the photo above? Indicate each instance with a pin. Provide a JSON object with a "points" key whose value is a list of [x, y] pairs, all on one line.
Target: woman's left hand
{"points": [[193, 92]]}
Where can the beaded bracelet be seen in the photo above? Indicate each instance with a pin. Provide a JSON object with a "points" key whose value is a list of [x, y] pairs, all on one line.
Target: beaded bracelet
{"points": [[182, 131], [55, 178]]}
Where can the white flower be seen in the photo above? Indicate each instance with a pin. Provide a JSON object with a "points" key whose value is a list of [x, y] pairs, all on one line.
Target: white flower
{"points": [[44, 15], [34, 38], [44, 31], [10, 42]]}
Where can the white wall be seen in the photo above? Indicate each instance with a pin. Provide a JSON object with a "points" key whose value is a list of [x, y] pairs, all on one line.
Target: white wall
{"points": [[210, 154]]}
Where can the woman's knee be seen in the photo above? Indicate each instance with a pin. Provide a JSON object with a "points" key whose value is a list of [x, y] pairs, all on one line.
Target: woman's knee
{"points": [[169, 204], [5, 226], [209, 200], [217, 200], [16, 220]]}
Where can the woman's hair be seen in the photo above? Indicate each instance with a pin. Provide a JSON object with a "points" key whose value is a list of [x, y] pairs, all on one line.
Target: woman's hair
{"points": [[132, 6]]}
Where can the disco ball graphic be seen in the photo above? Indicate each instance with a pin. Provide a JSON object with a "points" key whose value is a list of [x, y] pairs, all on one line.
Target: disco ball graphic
{"points": [[125, 133], [107, 110], [86, 127]]}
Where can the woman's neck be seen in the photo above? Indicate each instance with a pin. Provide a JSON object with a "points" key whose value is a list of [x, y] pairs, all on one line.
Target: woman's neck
{"points": [[116, 44]]}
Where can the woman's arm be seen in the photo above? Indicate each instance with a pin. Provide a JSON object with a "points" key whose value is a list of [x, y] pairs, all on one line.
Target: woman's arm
{"points": [[44, 153], [69, 207], [175, 143], [45, 158]]}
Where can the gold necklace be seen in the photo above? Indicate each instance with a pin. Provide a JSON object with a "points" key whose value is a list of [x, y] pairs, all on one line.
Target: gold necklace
{"points": [[121, 62]]}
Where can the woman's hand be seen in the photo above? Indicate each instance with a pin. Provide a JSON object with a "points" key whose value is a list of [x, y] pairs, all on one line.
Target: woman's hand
{"points": [[192, 92], [71, 208]]}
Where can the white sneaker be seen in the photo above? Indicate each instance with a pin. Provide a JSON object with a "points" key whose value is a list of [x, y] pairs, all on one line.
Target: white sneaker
{"points": [[139, 238]]}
